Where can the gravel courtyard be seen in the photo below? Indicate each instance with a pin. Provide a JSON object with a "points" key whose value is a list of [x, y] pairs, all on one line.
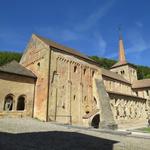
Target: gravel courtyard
{"points": [[31, 134]]}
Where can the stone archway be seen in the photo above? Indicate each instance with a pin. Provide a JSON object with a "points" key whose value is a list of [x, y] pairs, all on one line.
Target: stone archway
{"points": [[95, 121]]}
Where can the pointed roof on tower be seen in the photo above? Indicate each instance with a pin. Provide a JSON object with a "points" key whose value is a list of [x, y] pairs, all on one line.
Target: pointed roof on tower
{"points": [[122, 57]]}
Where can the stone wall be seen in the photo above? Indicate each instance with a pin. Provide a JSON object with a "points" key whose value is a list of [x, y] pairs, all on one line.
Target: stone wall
{"points": [[143, 92], [128, 108], [37, 59], [16, 86], [71, 88], [117, 86]]}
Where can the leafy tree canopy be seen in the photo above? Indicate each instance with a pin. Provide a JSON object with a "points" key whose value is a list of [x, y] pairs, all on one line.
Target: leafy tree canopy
{"points": [[6, 57], [143, 72]]}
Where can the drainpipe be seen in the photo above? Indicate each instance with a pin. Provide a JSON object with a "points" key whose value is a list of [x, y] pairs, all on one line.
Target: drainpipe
{"points": [[48, 86], [33, 98]]}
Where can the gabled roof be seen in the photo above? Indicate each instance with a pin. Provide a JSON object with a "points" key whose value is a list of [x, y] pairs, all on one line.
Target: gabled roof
{"points": [[64, 48], [114, 75], [15, 68], [118, 64], [145, 83]]}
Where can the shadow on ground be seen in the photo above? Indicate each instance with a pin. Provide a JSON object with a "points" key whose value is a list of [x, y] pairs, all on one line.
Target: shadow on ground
{"points": [[53, 141]]}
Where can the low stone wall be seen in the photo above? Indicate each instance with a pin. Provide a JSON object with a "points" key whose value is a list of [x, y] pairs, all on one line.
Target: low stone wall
{"points": [[13, 114], [127, 109]]}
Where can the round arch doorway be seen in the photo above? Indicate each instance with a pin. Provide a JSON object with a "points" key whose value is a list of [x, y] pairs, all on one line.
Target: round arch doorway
{"points": [[95, 121]]}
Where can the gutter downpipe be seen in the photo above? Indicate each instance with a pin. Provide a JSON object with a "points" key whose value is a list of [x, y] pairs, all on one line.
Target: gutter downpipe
{"points": [[47, 111]]}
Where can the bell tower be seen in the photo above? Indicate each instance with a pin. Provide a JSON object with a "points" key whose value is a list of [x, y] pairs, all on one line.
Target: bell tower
{"points": [[122, 67]]}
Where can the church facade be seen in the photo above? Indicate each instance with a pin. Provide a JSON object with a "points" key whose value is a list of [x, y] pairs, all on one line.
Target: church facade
{"points": [[56, 83]]}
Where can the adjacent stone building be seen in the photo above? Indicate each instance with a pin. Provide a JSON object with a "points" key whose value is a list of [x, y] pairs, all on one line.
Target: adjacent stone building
{"points": [[17, 86], [57, 83]]}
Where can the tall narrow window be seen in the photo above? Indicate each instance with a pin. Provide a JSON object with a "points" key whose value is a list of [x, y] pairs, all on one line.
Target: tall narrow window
{"points": [[8, 104], [122, 72], [21, 103], [147, 92], [74, 97], [38, 65], [75, 68], [93, 73], [84, 71], [136, 93]]}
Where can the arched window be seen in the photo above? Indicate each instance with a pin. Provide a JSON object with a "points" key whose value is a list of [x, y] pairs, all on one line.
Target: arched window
{"points": [[122, 72], [74, 97], [84, 71], [93, 73], [75, 68], [8, 104], [21, 103]]}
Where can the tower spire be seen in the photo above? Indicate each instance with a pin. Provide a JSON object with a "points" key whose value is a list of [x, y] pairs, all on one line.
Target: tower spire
{"points": [[122, 57]]}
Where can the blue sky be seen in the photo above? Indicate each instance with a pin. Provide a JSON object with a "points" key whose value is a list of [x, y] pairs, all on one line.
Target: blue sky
{"points": [[90, 26]]}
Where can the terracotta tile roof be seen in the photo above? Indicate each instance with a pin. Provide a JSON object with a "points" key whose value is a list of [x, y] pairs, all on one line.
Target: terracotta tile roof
{"points": [[114, 75], [145, 83], [15, 68], [64, 48], [90, 114]]}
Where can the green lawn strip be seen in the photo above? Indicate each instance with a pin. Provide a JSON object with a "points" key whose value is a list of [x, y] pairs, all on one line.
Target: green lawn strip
{"points": [[145, 129]]}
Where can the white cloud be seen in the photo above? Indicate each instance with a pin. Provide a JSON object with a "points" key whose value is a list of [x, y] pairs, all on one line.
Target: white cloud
{"points": [[137, 41], [100, 46], [94, 17], [139, 24], [79, 32]]}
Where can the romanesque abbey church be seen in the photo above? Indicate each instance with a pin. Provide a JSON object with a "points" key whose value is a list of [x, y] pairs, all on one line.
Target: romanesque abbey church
{"points": [[56, 83]]}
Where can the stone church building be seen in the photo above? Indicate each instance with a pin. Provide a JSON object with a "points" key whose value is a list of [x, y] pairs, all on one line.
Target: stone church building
{"points": [[56, 83]]}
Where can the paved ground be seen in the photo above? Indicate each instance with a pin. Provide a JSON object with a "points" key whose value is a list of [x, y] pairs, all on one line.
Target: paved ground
{"points": [[31, 134], [135, 125]]}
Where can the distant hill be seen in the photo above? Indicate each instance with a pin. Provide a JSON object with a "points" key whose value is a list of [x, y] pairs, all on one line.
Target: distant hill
{"points": [[6, 57], [143, 71]]}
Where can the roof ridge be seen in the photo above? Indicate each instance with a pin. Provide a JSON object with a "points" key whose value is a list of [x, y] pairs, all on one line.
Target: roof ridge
{"points": [[115, 75], [64, 48]]}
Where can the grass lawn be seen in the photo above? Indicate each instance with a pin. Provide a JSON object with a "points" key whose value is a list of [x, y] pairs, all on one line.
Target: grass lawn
{"points": [[145, 129]]}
